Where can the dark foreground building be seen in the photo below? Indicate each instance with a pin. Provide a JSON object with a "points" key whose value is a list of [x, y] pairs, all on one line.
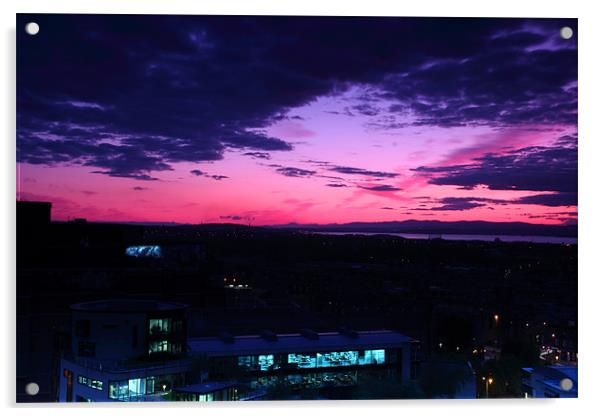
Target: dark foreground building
{"points": [[132, 350]]}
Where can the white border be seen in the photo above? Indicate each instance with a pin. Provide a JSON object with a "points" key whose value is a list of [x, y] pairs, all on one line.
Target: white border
{"points": [[590, 94]]}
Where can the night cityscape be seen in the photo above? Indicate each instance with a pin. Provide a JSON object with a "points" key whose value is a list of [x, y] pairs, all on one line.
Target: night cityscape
{"points": [[242, 208]]}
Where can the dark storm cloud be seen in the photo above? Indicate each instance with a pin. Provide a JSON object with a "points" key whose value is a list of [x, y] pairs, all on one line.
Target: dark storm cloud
{"points": [[464, 203], [295, 172], [256, 141], [560, 199], [381, 188], [534, 168], [524, 77], [197, 172], [551, 169], [159, 90], [258, 155], [358, 171], [348, 170], [458, 206]]}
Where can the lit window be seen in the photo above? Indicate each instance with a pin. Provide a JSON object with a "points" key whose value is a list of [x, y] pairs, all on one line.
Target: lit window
{"points": [[302, 360], [137, 386], [155, 325], [124, 389], [158, 346], [373, 357], [266, 362], [118, 389], [165, 325], [337, 359], [90, 382], [248, 362], [150, 385]]}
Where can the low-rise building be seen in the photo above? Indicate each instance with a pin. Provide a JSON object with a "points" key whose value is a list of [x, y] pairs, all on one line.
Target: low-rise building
{"points": [[124, 350], [131, 350], [550, 381], [307, 359]]}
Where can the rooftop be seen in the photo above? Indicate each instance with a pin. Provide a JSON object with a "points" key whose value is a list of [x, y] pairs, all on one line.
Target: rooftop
{"points": [[204, 388], [127, 305], [552, 375], [282, 343]]}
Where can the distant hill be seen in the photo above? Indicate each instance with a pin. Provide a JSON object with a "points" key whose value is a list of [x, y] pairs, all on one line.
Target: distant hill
{"points": [[441, 227], [409, 227]]}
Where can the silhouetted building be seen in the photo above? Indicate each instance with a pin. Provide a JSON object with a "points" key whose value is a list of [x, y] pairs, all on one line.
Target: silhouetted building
{"points": [[32, 214]]}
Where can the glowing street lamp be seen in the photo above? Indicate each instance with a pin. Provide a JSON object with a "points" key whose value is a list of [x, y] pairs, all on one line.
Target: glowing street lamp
{"points": [[487, 381]]}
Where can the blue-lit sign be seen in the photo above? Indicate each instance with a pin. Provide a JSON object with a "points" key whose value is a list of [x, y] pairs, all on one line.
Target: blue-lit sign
{"points": [[143, 251]]}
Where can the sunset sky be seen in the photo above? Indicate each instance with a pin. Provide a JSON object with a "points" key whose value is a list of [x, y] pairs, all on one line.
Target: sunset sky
{"points": [[273, 120]]}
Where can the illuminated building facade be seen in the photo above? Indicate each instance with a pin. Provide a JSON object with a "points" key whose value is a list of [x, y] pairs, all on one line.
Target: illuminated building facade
{"points": [[124, 350], [307, 359], [139, 351]]}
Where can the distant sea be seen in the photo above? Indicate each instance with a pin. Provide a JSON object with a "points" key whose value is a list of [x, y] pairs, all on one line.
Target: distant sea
{"points": [[468, 237]]}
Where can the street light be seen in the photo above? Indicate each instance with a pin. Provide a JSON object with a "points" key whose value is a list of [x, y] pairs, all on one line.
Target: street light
{"points": [[487, 381]]}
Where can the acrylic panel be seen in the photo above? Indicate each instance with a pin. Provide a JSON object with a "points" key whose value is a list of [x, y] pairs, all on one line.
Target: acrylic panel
{"points": [[236, 208]]}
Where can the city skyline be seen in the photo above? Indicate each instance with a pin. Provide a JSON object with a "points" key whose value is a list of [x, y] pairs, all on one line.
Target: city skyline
{"points": [[269, 120]]}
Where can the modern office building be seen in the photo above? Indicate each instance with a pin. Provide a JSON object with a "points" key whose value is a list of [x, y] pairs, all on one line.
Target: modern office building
{"points": [[132, 350], [551, 381], [124, 350], [307, 359]]}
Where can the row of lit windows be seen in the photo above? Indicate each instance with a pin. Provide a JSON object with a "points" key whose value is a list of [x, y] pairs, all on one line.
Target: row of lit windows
{"points": [[135, 387], [164, 346], [229, 394], [165, 325], [90, 382], [311, 380], [125, 389], [257, 362], [196, 397], [313, 360]]}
